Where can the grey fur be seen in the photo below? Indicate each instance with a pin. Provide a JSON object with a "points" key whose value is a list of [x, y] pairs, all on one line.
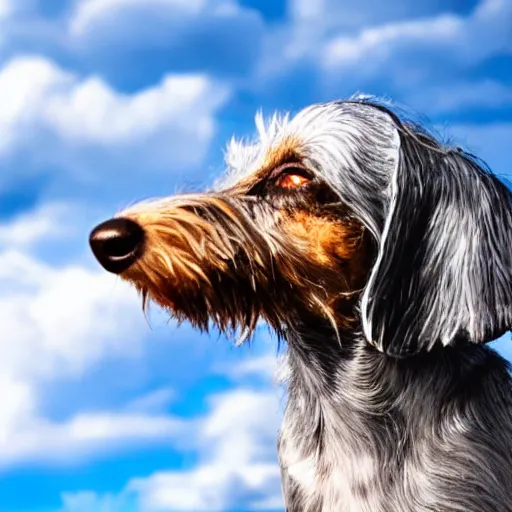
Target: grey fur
{"points": [[414, 412]]}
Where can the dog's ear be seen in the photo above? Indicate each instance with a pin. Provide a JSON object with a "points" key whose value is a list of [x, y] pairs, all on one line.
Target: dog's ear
{"points": [[444, 266]]}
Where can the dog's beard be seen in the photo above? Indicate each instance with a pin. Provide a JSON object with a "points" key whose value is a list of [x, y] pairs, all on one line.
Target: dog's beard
{"points": [[229, 262], [206, 261]]}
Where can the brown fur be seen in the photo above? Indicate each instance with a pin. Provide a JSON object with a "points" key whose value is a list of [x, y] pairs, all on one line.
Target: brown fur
{"points": [[318, 263]]}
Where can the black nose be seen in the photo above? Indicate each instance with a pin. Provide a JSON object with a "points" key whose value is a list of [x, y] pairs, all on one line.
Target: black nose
{"points": [[117, 243]]}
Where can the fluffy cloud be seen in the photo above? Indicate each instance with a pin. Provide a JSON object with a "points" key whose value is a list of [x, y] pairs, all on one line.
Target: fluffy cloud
{"points": [[237, 445], [379, 43], [399, 48], [156, 35], [58, 322], [88, 13], [237, 466], [70, 121], [426, 53], [32, 438], [463, 37], [45, 223]]}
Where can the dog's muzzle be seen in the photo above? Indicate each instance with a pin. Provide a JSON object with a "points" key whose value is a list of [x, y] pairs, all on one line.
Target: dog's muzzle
{"points": [[117, 243]]}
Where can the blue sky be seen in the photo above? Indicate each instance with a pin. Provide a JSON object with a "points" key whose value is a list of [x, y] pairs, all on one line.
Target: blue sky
{"points": [[105, 102]]}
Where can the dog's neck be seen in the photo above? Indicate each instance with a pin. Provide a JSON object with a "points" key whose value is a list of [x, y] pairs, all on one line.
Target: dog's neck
{"points": [[352, 412], [343, 370]]}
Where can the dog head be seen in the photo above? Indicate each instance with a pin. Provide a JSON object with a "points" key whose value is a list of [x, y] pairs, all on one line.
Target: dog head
{"points": [[343, 212]]}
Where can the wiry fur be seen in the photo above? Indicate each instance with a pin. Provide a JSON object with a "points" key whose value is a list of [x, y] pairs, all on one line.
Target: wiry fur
{"points": [[386, 274]]}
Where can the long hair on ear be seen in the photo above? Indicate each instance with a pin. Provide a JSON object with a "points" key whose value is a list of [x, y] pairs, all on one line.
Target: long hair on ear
{"points": [[444, 266]]}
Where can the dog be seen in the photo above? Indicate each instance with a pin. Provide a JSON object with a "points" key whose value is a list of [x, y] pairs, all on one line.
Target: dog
{"points": [[383, 259]]}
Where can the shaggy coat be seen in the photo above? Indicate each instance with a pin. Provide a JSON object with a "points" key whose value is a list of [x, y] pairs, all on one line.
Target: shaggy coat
{"points": [[384, 260]]}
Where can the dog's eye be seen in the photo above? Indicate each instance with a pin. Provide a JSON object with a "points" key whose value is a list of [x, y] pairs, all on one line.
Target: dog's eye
{"points": [[290, 180], [291, 176]]}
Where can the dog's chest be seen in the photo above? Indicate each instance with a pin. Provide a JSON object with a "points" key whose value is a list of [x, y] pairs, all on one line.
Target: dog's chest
{"points": [[328, 487], [331, 473]]}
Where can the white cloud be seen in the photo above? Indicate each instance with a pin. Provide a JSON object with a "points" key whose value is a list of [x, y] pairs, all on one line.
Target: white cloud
{"points": [[91, 111], [379, 41], [17, 405], [84, 436], [271, 367], [57, 323], [463, 38], [89, 12], [304, 10], [26, 82], [268, 365], [47, 222], [237, 446], [90, 17], [173, 120], [347, 42]]}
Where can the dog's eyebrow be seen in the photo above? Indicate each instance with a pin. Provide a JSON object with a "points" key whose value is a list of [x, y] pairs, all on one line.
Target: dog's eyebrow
{"points": [[288, 150]]}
